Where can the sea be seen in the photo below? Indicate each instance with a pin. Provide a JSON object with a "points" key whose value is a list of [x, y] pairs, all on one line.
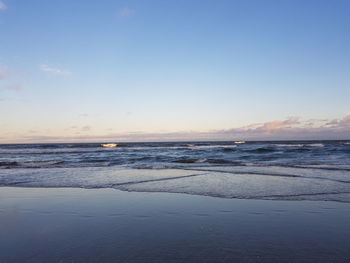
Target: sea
{"points": [[288, 170]]}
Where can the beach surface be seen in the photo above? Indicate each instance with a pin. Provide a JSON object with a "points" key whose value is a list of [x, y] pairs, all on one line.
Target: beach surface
{"points": [[109, 225]]}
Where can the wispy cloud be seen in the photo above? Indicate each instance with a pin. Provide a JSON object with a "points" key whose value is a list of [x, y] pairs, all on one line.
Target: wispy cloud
{"points": [[126, 12], [8, 80], [86, 128], [2, 6], [15, 87], [79, 129], [54, 71]]}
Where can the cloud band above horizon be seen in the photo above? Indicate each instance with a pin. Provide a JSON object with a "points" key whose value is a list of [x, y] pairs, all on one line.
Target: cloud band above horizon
{"points": [[288, 129]]}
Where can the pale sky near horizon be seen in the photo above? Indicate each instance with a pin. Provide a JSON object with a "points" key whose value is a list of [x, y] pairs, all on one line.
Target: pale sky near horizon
{"points": [[88, 70]]}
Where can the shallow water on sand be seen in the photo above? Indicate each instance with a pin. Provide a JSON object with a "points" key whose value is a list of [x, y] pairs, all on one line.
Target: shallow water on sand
{"points": [[277, 183], [106, 225]]}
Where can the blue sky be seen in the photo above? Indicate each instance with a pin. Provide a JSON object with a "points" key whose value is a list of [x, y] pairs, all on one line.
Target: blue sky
{"points": [[145, 70]]}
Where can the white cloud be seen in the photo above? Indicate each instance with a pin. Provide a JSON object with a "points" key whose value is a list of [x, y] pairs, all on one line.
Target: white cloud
{"points": [[2, 6], [54, 71], [126, 12]]}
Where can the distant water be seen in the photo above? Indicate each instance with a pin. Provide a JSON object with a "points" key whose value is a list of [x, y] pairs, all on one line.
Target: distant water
{"points": [[325, 165], [335, 154]]}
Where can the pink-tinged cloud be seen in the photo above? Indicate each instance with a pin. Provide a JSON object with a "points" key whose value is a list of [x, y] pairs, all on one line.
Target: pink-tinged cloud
{"points": [[292, 128], [15, 87], [343, 123], [4, 74], [274, 126], [9, 80], [6, 77]]}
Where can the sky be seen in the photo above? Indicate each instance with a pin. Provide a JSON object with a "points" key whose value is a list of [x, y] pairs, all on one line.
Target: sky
{"points": [[174, 70]]}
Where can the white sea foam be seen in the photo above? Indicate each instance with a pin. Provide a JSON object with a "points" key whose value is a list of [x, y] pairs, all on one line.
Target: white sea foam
{"points": [[204, 147], [316, 172], [39, 164], [301, 145], [291, 145], [315, 145], [242, 186], [228, 182]]}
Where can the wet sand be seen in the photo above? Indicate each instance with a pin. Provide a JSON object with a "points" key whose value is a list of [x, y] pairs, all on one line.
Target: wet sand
{"points": [[108, 225]]}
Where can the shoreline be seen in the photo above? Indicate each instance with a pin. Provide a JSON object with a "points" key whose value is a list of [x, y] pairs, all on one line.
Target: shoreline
{"points": [[172, 193]]}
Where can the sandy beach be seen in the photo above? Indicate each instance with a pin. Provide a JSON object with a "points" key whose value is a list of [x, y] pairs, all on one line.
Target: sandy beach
{"points": [[108, 225]]}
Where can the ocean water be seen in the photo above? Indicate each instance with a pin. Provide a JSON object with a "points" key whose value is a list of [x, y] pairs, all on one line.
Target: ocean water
{"points": [[288, 170]]}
